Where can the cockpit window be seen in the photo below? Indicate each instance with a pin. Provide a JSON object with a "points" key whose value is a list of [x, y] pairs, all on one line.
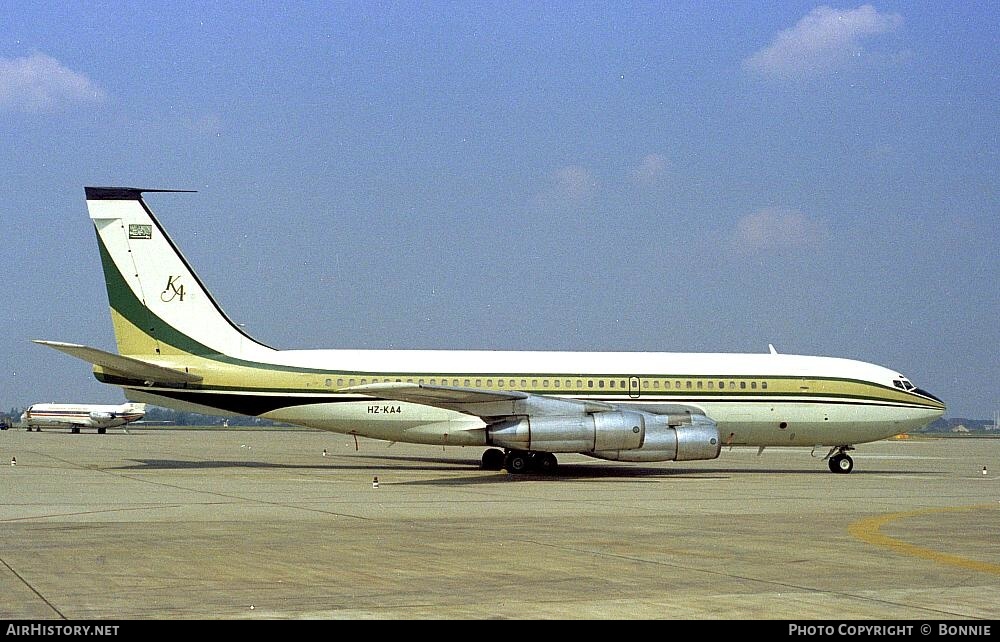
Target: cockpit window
{"points": [[904, 384]]}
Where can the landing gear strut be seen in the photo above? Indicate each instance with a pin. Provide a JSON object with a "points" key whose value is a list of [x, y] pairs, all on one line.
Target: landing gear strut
{"points": [[841, 462]]}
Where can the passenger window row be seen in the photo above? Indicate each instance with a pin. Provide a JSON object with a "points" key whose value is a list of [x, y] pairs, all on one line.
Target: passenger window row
{"points": [[580, 384]]}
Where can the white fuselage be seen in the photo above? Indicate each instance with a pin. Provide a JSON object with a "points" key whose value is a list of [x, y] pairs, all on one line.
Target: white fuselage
{"points": [[756, 399], [57, 415]]}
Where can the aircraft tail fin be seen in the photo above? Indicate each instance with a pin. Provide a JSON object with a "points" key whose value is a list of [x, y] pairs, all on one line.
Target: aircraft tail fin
{"points": [[159, 306]]}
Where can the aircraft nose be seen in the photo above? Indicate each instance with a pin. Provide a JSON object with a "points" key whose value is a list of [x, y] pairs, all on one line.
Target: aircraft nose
{"points": [[924, 393], [935, 407]]}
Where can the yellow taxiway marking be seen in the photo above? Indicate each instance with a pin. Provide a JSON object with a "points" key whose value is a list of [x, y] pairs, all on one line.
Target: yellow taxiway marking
{"points": [[867, 530]]}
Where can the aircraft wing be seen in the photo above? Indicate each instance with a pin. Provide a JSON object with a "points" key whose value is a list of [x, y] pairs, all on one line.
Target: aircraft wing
{"points": [[487, 404], [126, 366]]}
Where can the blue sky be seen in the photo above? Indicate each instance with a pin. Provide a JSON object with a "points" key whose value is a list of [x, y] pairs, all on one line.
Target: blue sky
{"points": [[703, 176]]}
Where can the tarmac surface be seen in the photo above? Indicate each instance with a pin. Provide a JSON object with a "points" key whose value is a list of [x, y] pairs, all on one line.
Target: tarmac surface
{"points": [[248, 523]]}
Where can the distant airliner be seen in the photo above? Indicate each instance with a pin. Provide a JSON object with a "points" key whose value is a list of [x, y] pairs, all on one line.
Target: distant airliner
{"points": [[177, 348], [76, 416]]}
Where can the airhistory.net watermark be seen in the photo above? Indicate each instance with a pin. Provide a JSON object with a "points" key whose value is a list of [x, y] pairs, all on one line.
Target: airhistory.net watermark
{"points": [[61, 629]]}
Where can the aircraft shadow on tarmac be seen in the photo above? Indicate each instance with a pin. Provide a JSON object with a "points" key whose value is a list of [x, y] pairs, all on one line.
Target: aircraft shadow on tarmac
{"points": [[564, 471], [576, 472]]}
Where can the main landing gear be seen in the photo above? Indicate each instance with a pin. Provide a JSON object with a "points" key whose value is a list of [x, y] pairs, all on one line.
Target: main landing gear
{"points": [[519, 461], [492, 459], [841, 462]]}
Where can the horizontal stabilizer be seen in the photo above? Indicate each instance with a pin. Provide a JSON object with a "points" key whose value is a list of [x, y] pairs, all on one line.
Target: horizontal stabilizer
{"points": [[126, 366]]}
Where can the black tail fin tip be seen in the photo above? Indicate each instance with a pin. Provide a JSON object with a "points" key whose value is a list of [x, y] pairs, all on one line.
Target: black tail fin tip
{"points": [[124, 193]]}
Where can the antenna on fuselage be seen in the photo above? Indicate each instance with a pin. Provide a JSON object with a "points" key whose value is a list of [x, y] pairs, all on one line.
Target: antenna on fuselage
{"points": [[770, 347]]}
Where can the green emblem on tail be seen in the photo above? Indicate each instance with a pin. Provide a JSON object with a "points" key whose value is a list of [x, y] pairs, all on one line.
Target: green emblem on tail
{"points": [[137, 231]]}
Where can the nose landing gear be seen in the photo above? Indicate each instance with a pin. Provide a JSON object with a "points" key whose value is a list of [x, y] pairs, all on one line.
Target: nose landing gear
{"points": [[841, 462]]}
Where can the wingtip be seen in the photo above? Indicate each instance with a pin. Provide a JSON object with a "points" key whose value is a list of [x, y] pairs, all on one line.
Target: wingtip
{"points": [[55, 344]]}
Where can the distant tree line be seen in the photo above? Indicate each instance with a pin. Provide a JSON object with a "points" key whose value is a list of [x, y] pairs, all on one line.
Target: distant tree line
{"points": [[971, 425]]}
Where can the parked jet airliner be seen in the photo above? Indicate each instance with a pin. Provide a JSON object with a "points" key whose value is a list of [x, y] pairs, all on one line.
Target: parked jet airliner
{"points": [[76, 415], [177, 348]]}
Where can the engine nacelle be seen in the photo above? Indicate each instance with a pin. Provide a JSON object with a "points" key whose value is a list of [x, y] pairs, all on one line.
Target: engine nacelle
{"points": [[571, 434], [101, 416], [698, 439]]}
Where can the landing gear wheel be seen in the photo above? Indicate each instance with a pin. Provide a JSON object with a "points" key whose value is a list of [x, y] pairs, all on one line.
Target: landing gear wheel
{"points": [[546, 462], [517, 462], [101, 431], [841, 464], [492, 459], [75, 430]]}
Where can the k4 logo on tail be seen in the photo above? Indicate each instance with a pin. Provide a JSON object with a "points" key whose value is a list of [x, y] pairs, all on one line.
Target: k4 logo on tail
{"points": [[173, 290]]}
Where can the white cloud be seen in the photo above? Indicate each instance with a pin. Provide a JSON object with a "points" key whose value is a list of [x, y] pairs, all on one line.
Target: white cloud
{"points": [[775, 228], [573, 183], [41, 83], [650, 170], [824, 40], [569, 187]]}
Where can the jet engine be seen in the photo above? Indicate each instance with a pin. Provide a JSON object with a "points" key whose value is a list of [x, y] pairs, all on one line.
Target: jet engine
{"points": [[671, 438], [600, 431]]}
